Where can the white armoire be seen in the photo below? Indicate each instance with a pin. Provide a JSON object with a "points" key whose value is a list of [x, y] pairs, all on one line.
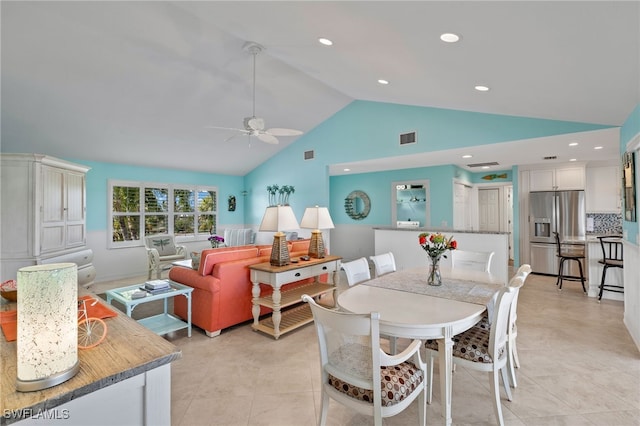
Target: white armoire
{"points": [[43, 214]]}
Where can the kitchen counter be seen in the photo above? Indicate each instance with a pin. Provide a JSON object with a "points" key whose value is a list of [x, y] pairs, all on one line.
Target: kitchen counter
{"points": [[448, 231], [124, 380]]}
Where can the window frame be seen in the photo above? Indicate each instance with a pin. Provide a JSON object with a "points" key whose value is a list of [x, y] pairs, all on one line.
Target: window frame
{"points": [[171, 212]]}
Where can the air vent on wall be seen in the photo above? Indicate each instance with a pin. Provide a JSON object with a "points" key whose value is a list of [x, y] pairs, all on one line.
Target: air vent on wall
{"points": [[491, 163], [309, 155], [408, 138], [551, 157]]}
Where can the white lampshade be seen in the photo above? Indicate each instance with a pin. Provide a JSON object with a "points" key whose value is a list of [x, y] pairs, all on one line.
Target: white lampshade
{"points": [[47, 343], [279, 218], [316, 218]]}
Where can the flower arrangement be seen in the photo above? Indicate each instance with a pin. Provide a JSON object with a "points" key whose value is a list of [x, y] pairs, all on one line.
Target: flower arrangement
{"points": [[436, 244], [215, 240]]}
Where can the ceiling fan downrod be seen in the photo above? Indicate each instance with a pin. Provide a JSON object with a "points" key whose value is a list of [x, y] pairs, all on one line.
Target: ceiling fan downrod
{"points": [[253, 48]]}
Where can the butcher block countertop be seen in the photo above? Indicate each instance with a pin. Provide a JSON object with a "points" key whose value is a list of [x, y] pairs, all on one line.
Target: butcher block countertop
{"points": [[128, 350]]}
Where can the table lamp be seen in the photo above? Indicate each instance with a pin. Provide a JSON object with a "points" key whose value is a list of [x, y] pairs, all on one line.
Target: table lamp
{"points": [[278, 219], [316, 218], [47, 343]]}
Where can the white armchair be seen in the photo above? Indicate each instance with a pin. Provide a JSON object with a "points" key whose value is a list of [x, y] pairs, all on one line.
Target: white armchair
{"points": [[161, 251]]}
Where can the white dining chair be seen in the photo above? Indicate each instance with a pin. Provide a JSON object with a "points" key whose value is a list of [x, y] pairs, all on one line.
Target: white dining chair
{"points": [[384, 263], [483, 350], [512, 331], [357, 271], [358, 374], [472, 260]]}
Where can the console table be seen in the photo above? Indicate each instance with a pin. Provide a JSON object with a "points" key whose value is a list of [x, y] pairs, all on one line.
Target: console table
{"points": [[277, 276]]}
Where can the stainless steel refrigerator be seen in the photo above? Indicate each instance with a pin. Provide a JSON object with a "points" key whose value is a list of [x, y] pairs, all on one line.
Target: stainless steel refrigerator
{"points": [[555, 211]]}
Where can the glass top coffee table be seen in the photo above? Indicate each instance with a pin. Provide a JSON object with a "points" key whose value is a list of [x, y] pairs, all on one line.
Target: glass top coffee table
{"points": [[162, 323]]}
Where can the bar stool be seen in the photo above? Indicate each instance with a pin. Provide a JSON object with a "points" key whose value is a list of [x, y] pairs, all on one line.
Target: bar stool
{"points": [[611, 258], [564, 254]]}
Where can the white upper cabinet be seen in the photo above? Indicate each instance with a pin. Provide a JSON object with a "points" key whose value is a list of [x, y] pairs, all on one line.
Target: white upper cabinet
{"points": [[603, 189], [560, 179]]}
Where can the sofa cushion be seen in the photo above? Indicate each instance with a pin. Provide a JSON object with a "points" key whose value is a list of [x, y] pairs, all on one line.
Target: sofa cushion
{"points": [[299, 245], [211, 257]]}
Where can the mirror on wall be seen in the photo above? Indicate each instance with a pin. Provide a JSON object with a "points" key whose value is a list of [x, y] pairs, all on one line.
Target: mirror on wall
{"points": [[629, 187], [357, 205], [410, 204]]}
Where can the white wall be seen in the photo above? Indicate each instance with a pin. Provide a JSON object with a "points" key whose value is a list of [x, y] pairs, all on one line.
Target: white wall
{"points": [[632, 290]]}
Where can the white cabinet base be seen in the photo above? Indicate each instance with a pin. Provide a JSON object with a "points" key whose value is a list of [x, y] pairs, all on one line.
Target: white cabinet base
{"points": [[144, 399]]}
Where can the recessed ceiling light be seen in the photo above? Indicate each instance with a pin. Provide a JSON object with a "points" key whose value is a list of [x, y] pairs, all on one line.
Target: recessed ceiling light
{"points": [[346, 170], [482, 88], [573, 144], [449, 37], [486, 167], [572, 159], [381, 81], [467, 156], [597, 147], [325, 41]]}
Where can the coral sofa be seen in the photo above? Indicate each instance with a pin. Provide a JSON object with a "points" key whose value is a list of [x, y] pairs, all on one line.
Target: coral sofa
{"points": [[222, 286]]}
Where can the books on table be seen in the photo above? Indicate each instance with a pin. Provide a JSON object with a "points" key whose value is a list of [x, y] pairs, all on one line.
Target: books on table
{"points": [[157, 286]]}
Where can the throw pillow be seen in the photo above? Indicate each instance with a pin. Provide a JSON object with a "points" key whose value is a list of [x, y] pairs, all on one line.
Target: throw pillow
{"points": [[164, 244], [195, 260]]}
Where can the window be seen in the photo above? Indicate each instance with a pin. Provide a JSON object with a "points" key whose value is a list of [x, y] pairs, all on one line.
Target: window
{"points": [[142, 209]]}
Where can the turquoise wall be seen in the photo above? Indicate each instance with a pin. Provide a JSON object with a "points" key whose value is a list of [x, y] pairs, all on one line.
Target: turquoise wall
{"points": [[378, 187], [369, 130], [629, 130], [98, 190]]}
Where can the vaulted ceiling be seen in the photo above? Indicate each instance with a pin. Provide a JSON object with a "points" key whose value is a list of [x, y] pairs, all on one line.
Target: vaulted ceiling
{"points": [[139, 82]]}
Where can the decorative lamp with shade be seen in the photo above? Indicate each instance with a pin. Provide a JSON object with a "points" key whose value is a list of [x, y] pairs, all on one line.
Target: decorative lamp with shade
{"points": [[316, 218], [47, 343], [278, 219]]}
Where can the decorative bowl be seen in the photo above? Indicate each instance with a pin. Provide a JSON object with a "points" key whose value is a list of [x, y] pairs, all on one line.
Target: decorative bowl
{"points": [[11, 295], [9, 291]]}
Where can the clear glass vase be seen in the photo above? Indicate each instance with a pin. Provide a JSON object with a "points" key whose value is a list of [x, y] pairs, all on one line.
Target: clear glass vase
{"points": [[434, 277]]}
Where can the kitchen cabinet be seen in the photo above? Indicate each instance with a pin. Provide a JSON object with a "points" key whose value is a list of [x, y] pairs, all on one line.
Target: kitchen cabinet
{"points": [[43, 214], [603, 189], [559, 179]]}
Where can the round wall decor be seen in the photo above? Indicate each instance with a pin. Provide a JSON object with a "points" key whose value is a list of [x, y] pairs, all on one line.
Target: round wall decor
{"points": [[357, 205]]}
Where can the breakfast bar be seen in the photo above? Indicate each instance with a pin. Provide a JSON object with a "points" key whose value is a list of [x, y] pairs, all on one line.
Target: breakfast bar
{"points": [[403, 242]]}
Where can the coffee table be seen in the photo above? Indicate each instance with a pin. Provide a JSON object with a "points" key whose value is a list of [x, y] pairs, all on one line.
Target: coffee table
{"points": [[162, 323]]}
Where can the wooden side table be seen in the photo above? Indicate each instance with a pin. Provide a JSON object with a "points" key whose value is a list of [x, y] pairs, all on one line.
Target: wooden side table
{"points": [[277, 276]]}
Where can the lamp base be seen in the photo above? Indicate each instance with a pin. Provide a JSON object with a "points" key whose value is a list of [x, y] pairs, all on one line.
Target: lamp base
{"points": [[279, 250], [47, 382], [316, 245]]}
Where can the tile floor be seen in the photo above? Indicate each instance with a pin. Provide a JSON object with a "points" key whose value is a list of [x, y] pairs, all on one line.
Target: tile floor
{"points": [[579, 366]]}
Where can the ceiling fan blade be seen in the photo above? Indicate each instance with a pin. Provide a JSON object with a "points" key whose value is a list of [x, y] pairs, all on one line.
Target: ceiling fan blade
{"points": [[276, 131], [268, 138], [227, 128]]}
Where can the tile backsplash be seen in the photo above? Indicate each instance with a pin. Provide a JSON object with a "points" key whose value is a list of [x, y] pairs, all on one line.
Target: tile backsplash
{"points": [[604, 223]]}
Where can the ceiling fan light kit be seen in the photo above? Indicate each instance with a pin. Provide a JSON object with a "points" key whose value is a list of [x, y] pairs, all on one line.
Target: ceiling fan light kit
{"points": [[254, 126]]}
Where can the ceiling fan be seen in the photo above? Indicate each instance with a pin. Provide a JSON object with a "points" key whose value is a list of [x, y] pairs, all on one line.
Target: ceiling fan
{"points": [[254, 126]]}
